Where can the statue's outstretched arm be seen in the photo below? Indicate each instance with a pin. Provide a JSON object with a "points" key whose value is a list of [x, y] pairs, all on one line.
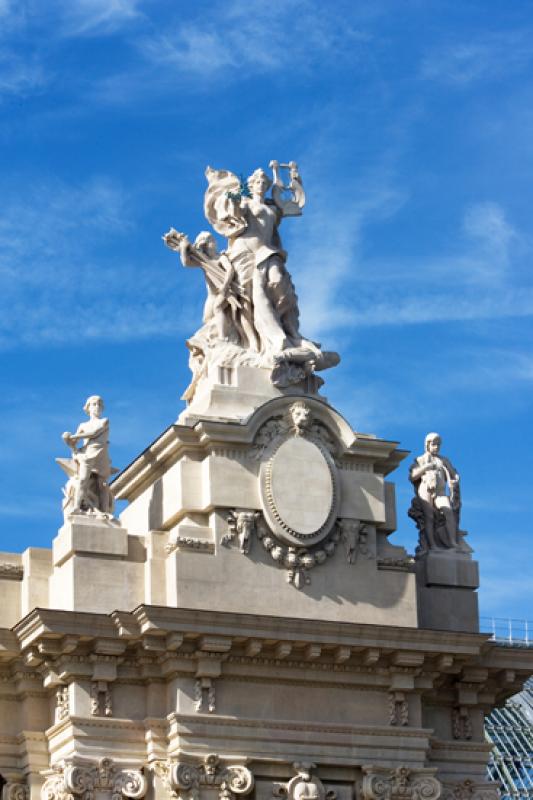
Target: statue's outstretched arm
{"points": [[84, 434], [292, 206]]}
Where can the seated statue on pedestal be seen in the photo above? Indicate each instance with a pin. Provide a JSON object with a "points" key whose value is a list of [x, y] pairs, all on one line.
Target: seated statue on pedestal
{"points": [[436, 505], [89, 469], [251, 316]]}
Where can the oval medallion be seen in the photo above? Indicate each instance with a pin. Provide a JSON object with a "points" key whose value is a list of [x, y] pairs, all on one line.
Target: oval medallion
{"points": [[299, 491]]}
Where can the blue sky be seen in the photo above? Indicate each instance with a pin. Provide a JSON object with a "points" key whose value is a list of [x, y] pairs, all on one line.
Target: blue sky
{"points": [[412, 124]]}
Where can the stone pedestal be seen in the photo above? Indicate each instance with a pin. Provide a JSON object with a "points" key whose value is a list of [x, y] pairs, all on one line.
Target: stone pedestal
{"points": [[446, 586], [95, 566], [236, 392]]}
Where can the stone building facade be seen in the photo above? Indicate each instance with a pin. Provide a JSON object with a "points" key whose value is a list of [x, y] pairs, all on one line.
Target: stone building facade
{"points": [[232, 635], [245, 627]]}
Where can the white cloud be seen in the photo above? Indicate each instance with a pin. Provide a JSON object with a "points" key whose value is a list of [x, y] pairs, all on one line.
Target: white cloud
{"points": [[486, 222], [19, 76], [325, 244], [51, 218], [57, 281], [92, 17], [487, 57], [276, 36], [339, 289]]}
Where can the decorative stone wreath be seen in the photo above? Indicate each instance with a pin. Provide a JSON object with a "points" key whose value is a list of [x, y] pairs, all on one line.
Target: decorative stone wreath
{"points": [[298, 560]]}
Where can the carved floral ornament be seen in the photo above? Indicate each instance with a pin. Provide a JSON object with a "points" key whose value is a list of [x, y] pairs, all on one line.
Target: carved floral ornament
{"points": [[402, 783], [185, 778], [73, 781]]}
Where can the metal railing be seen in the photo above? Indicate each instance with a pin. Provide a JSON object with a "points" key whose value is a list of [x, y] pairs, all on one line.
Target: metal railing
{"points": [[508, 631]]}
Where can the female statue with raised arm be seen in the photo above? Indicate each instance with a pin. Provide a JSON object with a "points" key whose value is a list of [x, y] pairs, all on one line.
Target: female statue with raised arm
{"points": [[251, 221], [257, 303]]}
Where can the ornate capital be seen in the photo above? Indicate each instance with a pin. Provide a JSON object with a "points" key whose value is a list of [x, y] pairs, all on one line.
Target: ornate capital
{"points": [[402, 783], [184, 778], [15, 790], [82, 780]]}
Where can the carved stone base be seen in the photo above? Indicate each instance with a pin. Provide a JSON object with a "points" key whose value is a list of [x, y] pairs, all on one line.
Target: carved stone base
{"points": [[94, 566], [446, 584], [89, 534], [235, 392], [448, 568]]}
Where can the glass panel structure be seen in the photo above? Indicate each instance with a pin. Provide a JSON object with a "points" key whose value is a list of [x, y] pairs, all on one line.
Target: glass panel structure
{"points": [[510, 731]]}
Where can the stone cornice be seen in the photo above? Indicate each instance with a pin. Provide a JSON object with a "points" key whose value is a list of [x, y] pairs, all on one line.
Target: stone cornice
{"points": [[311, 727], [165, 641], [152, 619], [208, 435], [158, 621]]}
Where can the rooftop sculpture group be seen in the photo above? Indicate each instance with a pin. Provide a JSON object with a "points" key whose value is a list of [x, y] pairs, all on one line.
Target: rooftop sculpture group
{"points": [[251, 318], [251, 315]]}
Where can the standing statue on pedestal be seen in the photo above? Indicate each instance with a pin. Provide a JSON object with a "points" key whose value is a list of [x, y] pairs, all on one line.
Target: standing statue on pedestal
{"points": [[251, 316], [89, 469], [437, 502]]}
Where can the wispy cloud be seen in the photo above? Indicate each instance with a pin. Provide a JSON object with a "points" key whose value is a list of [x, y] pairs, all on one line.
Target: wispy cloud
{"points": [[470, 284], [276, 36], [475, 279], [486, 223], [52, 217], [498, 369], [57, 281], [19, 76], [487, 57], [88, 17]]}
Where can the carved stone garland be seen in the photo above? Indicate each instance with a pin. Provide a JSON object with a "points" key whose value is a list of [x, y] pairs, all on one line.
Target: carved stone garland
{"points": [[297, 560], [184, 778], [70, 781]]}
